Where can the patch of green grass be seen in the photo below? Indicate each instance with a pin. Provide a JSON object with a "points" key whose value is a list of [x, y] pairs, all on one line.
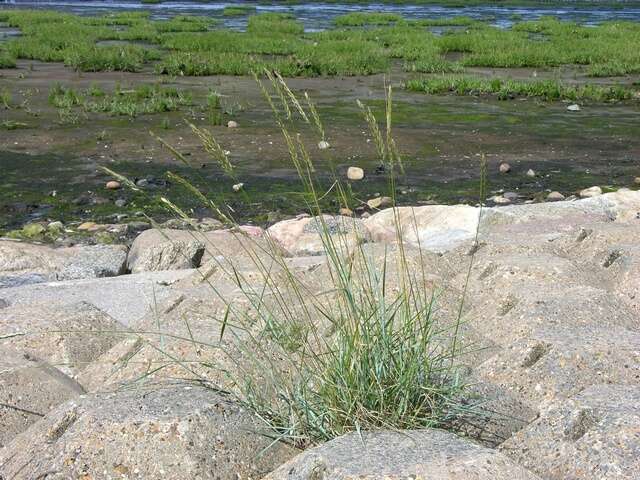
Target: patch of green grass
{"points": [[12, 125], [144, 99], [238, 10], [125, 58], [274, 24], [278, 41], [504, 89], [7, 60], [359, 19]]}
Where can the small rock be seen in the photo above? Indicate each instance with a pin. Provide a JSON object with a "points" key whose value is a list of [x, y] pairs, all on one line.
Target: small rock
{"points": [[323, 145], [379, 203], [574, 107], [355, 173], [113, 185], [555, 197], [55, 226], [505, 167], [590, 192], [346, 212], [237, 187], [531, 173], [87, 226], [636, 180], [121, 202], [500, 200], [232, 124]]}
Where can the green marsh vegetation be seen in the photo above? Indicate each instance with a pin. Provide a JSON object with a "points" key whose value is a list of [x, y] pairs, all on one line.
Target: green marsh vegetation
{"points": [[238, 10], [367, 349], [361, 44], [143, 99]]}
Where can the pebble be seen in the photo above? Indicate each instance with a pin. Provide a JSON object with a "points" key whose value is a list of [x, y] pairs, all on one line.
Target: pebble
{"points": [[346, 212], [636, 180], [505, 167], [87, 226], [57, 225], [355, 173], [590, 192], [323, 145], [237, 187], [232, 124], [500, 200], [555, 197], [113, 185], [574, 107], [120, 202], [531, 173]]}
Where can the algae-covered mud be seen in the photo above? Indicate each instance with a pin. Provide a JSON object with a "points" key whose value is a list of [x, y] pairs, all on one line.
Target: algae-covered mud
{"points": [[555, 99]]}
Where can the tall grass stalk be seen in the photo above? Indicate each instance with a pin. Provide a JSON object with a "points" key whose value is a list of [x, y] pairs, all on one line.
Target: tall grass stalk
{"points": [[363, 348]]}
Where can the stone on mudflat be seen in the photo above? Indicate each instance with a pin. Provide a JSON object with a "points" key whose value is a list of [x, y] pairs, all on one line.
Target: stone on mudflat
{"points": [[113, 185], [595, 434], [428, 454], [29, 389], [504, 167], [555, 197], [379, 203], [355, 173], [590, 192], [180, 431], [232, 124], [307, 236]]}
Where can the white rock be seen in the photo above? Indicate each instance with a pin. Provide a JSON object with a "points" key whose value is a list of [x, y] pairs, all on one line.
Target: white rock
{"points": [[237, 187], [504, 167], [574, 107], [590, 192], [432, 227], [500, 200], [555, 196], [323, 145], [232, 124], [355, 173], [531, 173]]}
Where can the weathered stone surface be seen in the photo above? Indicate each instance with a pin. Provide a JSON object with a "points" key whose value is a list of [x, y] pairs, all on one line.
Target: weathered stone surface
{"points": [[69, 336], [595, 434], [155, 250], [304, 236], [558, 363], [29, 389], [429, 454], [94, 262], [126, 298], [178, 431]]}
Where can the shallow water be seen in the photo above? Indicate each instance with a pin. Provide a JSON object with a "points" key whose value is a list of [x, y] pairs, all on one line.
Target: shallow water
{"points": [[319, 16]]}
